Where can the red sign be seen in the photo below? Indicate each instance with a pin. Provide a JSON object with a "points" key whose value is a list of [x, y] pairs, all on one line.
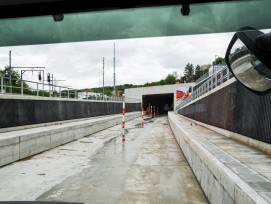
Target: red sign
{"points": [[179, 94]]}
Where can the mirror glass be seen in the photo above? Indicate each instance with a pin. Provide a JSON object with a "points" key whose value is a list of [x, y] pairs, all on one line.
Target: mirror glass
{"points": [[245, 65]]}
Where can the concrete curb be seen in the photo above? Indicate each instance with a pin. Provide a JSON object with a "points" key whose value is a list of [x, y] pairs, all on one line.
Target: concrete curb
{"points": [[262, 146], [220, 183], [24, 143]]}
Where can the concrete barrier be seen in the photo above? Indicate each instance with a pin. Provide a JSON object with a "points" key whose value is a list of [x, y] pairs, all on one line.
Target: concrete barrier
{"points": [[218, 181], [20, 144]]}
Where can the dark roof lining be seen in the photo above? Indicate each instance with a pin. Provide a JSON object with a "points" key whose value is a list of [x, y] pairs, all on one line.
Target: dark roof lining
{"points": [[19, 8]]}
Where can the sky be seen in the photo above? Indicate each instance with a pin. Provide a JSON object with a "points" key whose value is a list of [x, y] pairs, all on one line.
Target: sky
{"points": [[138, 60]]}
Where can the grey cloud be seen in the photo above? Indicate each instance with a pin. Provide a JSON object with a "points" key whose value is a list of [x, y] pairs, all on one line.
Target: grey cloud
{"points": [[137, 60]]}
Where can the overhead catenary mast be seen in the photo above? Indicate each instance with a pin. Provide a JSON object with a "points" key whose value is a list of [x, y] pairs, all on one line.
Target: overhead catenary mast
{"points": [[10, 83], [114, 60], [103, 77]]}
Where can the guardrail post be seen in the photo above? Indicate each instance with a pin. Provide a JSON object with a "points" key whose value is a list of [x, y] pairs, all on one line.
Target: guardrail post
{"points": [[22, 87], [2, 85], [37, 89], [215, 80], [228, 74], [59, 92], [68, 93]]}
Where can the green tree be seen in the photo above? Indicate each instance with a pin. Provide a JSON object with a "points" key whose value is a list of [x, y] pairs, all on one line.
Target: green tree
{"points": [[219, 60], [189, 73], [162, 82], [15, 82], [170, 79], [198, 73]]}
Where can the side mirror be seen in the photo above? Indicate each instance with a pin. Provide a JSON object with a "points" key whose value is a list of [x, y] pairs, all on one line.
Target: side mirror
{"points": [[249, 58]]}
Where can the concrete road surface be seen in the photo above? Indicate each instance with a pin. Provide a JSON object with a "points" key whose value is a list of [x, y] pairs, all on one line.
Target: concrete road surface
{"points": [[148, 167]]}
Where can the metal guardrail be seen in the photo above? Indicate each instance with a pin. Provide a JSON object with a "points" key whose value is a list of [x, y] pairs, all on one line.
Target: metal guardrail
{"points": [[31, 88], [207, 85]]}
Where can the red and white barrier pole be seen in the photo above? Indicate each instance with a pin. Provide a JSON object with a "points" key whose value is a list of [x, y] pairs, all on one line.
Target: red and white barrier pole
{"points": [[142, 117], [123, 119]]}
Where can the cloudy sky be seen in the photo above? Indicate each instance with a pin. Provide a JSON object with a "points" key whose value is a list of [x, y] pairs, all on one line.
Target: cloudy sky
{"points": [[137, 60]]}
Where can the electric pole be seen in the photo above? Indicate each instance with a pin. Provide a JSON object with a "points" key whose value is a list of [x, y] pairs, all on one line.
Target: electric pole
{"points": [[103, 77], [114, 72], [10, 84]]}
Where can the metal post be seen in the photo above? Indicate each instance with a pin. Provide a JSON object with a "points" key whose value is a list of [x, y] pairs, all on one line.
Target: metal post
{"points": [[68, 93], [43, 82], [10, 83], [212, 81], [22, 87], [2, 85], [103, 78], [215, 80], [37, 89], [123, 119], [53, 85], [228, 74], [114, 72], [59, 92]]}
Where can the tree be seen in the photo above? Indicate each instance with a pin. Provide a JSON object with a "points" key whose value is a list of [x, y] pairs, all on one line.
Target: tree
{"points": [[198, 73], [189, 73], [219, 60], [171, 79], [162, 82], [16, 83], [15, 79]]}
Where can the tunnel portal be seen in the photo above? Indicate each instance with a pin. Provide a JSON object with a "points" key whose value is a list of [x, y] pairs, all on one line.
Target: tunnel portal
{"points": [[164, 102]]}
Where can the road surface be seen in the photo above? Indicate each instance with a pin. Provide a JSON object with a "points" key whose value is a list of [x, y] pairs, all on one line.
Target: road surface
{"points": [[148, 167]]}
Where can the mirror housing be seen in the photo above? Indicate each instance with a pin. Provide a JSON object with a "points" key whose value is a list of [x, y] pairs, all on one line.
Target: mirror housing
{"points": [[249, 59]]}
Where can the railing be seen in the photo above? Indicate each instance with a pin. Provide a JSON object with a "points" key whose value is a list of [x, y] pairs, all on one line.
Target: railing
{"points": [[207, 85], [30, 88]]}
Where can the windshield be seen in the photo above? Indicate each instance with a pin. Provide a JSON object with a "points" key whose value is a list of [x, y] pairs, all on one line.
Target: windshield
{"points": [[70, 89], [136, 23]]}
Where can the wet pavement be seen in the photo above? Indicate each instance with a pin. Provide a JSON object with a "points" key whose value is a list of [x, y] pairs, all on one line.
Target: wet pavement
{"points": [[148, 167]]}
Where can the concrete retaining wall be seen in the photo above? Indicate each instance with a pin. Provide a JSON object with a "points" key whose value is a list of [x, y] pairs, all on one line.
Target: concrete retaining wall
{"points": [[220, 184], [28, 111], [234, 108], [20, 144]]}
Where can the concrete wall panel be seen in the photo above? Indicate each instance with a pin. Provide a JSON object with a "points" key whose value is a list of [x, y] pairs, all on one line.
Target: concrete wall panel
{"points": [[20, 112], [24, 143]]}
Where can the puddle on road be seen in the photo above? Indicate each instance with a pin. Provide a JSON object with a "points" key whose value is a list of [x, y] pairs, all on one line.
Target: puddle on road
{"points": [[41, 174], [85, 142], [69, 149]]}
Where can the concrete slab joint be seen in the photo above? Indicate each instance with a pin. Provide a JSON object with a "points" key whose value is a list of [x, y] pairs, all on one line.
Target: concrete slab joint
{"points": [[219, 183]]}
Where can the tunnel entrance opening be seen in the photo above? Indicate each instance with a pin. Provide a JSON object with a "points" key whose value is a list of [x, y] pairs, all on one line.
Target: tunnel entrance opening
{"points": [[164, 102]]}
